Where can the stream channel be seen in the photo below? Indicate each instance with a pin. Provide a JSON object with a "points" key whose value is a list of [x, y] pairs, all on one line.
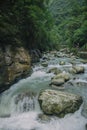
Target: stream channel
{"points": [[15, 115]]}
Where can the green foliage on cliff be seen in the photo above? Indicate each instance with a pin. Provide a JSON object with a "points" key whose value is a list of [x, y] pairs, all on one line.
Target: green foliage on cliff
{"points": [[25, 23], [71, 21], [43, 24]]}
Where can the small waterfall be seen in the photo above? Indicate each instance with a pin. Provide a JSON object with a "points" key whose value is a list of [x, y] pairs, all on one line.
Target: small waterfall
{"points": [[23, 102], [25, 105]]}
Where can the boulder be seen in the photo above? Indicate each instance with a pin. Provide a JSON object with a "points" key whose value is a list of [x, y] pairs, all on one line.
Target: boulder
{"points": [[61, 63], [84, 61], [58, 82], [54, 70], [43, 118], [63, 75], [77, 69], [44, 64], [72, 71], [58, 103]]}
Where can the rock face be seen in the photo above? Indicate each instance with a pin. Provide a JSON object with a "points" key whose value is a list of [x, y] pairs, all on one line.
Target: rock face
{"points": [[35, 55], [59, 103], [14, 64]]}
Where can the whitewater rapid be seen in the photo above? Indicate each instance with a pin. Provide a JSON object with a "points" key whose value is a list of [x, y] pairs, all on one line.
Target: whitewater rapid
{"points": [[12, 118]]}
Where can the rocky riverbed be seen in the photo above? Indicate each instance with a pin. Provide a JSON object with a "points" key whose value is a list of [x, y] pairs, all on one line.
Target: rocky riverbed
{"points": [[57, 88]]}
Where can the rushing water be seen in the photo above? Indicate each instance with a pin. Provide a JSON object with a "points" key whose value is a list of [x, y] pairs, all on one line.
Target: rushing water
{"points": [[19, 107]]}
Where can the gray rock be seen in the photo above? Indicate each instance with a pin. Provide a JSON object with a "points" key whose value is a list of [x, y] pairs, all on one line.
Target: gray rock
{"points": [[84, 61], [54, 70], [43, 118], [61, 63], [58, 82], [77, 69], [63, 75], [86, 126], [58, 87], [72, 71], [44, 64], [59, 103]]}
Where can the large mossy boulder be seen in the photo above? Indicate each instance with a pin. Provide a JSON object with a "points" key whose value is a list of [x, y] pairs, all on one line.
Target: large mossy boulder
{"points": [[58, 103]]}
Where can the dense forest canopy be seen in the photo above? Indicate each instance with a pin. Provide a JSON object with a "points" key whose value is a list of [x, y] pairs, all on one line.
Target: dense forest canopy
{"points": [[25, 22], [43, 24], [71, 21]]}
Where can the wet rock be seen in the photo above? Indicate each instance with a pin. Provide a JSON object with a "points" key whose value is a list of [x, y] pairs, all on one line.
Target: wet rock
{"points": [[81, 83], [72, 71], [61, 63], [60, 55], [5, 116], [54, 70], [43, 118], [53, 52], [59, 87], [44, 64], [63, 75], [58, 81], [84, 61], [35, 55], [77, 69], [84, 110], [66, 50], [83, 54], [86, 126], [73, 57], [73, 62], [45, 57], [59, 103]]}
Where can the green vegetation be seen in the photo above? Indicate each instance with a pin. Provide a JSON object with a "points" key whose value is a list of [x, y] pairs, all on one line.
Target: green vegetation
{"points": [[71, 21], [25, 23], [43, 24]]}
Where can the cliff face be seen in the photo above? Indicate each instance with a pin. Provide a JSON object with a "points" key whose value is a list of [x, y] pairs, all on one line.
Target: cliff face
{"points": [[14, 65]]}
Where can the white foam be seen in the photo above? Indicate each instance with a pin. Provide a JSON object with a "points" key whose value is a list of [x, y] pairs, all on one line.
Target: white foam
{"points": [[80, 81], [28, 121], [69, 122]]}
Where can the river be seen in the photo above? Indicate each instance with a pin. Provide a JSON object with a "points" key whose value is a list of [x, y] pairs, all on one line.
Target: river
{"points": [[13, 114]]}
